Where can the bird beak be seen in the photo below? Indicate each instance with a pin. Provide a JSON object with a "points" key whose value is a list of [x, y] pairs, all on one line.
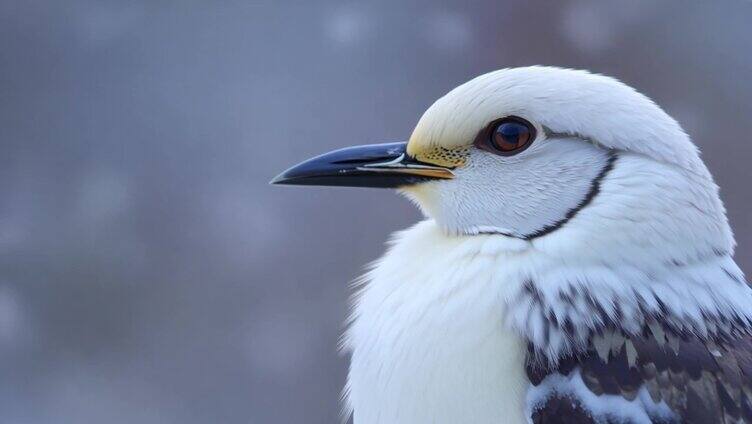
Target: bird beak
{"points": [[375, 165]]}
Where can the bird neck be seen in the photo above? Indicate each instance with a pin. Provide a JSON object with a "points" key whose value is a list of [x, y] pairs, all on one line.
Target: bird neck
{"points": [[557, 301]]}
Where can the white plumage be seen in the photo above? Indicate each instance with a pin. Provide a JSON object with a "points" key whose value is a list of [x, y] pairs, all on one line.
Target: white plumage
{"points": [[428, 339], [556, 282]]}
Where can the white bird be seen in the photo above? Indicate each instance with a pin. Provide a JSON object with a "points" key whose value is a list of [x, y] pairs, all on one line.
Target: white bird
{"points": [[575, 264]]}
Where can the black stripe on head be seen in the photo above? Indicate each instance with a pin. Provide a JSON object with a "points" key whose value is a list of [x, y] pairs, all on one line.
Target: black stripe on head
{"points": [[595, 188]]}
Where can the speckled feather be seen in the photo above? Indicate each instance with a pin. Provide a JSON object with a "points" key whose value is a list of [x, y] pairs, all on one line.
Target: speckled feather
{"points": [[697, 380]]}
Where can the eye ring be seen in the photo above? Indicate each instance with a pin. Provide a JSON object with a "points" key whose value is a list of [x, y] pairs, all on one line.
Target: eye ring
{"points": [[507, 136]]}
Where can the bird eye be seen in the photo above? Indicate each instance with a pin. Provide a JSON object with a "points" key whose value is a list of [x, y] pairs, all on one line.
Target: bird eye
{"points": [[507, 136]]}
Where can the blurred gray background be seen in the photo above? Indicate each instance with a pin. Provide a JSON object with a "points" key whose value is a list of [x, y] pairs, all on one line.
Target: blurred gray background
{"points": [[148, 273]]}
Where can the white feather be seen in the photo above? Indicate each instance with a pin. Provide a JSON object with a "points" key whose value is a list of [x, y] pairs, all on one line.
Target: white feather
{"points": [[440, 325], [428, 342]]}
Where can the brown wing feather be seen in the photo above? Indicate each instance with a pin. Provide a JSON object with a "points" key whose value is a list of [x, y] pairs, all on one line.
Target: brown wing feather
{"points": [[702, 381]]}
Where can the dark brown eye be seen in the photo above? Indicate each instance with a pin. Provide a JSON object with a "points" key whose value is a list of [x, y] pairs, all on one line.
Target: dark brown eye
{"points": [[507, 136]]}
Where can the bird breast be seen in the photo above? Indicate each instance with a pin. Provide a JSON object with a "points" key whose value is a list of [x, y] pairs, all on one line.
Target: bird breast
{"points": [[427, 338]]}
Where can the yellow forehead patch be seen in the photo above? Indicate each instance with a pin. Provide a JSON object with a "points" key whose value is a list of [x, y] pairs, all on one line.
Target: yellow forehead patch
{"points": [[441, 156]]}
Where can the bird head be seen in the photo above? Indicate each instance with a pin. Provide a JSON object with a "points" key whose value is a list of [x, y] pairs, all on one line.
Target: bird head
{"points": [[539, 154]]}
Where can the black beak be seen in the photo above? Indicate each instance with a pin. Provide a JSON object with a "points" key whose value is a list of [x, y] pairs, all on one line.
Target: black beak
{"points": [[375, 165]]}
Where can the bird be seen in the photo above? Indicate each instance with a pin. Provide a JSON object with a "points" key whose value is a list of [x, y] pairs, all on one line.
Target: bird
{"points": [[574, 264]]}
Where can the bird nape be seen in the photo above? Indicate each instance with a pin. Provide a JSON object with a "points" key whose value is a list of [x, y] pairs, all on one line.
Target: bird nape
{"points": [[575, 264]]}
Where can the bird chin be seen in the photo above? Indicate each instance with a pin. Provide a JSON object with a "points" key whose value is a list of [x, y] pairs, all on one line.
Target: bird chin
{"points": [[423, 196]]}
